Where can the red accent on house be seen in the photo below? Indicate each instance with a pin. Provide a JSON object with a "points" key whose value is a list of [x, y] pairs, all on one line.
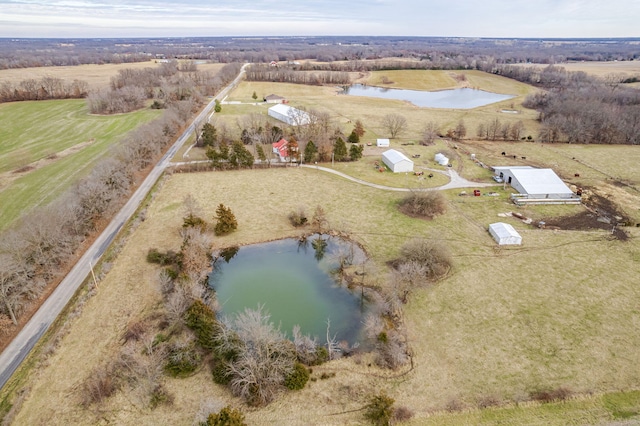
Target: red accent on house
{"points": [[280, 148]]}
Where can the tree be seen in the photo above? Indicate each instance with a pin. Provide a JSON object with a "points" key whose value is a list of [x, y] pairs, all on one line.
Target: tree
{"points": [[353, 137], [310, 152], [355, 152], [254, 96], [340, 150], [460, 131], [240, 156], [429, 133], [379, 409], [516, 130], [226, 221], [395, 124], [359, 129], [209, 137], [218, 106], [260, 152]]}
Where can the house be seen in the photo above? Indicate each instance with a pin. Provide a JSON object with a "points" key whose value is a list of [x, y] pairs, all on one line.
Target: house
{"points": [[280, 148], [273, 64], [536, 186], [275, 99], [289, 115], [397, 161], [382, 142], [504, 234], [441, 159]]}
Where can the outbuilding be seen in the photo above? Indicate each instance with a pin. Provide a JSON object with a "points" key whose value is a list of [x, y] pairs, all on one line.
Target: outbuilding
{"points": [[289, 115], [441, 159], [532, 183], [504, 234], [397, 161], [275, 99], [382, 142]]}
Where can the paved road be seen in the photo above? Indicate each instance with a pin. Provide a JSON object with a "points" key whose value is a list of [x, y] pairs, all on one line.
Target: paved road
{"points": [[19, 348], [456, 180]]}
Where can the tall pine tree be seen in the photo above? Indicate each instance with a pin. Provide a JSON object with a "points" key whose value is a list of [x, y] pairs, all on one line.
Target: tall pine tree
{"points": [[226, 220]]}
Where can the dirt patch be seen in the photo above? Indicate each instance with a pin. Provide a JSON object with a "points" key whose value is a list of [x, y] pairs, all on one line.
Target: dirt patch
{"points": [[600, 213]]}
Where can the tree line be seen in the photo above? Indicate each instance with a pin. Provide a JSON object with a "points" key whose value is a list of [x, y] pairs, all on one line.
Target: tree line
{"points": [[42, 89]]}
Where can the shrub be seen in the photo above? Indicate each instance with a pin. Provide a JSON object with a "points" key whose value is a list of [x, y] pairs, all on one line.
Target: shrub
{"points": [[220, 371], [226, 417], [160, 396], [298, 218], [182, 360], [431, 255], [134, 331], [558, 394], [425, 204], [402, 414], [298, 378], [192, 221], [379, 410], [322, 355], [100, 385], [488, 401], [156, 256], [202, 321]]}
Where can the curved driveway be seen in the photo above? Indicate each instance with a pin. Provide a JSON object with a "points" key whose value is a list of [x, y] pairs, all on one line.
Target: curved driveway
{"points": [[455, 182]]}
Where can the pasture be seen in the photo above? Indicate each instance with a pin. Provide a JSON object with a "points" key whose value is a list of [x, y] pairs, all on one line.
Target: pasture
{"points": [[505, 322], [48, 145]]}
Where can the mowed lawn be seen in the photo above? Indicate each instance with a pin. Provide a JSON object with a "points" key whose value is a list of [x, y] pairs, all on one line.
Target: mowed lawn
{"points": [[558, 311], [40, 131]]}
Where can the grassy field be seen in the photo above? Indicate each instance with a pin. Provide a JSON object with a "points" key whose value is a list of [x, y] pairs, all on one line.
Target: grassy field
{"points": [[97, 76], [554, 312], [600, 69], [55, 143]]}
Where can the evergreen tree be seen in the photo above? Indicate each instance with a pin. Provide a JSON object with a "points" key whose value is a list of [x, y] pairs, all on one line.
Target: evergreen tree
{"points": [[353, 137], [218, 106], [254, 96], [310, 152], [340, 150], [355, 152], [240, 156], [226, 221], [260, 152], [209, 135], [228, 416]]}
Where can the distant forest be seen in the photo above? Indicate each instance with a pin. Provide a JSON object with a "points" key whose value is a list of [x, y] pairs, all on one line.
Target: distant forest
{"points": [[439, 52]]}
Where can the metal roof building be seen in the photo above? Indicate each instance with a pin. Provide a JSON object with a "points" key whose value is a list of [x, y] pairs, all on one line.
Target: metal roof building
{"points": [[397, 161], [289, 115], [534, 183]]}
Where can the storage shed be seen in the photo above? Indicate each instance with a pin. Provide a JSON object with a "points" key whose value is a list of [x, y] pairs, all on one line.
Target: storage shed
{"points": [[382, 142], [504, 234], [441, 159], [274, 99], [289, 115], [397, 161]]}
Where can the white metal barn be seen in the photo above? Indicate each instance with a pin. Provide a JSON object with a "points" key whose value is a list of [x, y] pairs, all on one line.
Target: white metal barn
{"points": [[535, 183], [382, 142], [504, 234], [289, 115], [397, 161], [441, 159]]}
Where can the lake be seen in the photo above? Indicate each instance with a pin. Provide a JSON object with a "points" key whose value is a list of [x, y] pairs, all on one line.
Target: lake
{"points": [[295, 281], [464, 98]]}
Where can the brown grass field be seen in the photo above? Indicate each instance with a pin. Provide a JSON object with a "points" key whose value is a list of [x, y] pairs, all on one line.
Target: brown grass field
{"points": [[558, 311], [601, 69]]}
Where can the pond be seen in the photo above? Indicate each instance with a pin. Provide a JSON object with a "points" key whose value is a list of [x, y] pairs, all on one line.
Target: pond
{"points": [[464, 98], [295, 282]]}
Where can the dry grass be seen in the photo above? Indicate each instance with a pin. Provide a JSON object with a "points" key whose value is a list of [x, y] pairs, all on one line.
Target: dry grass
{"points": [[600, 69], [505, 322]]}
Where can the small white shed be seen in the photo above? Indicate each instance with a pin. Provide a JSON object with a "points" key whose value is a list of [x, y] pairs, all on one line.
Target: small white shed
{"points": [[397, 161], [382, 142], [441, 159], [504, 234]]}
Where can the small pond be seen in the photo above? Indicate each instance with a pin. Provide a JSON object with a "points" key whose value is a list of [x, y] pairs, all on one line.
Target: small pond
{"points": [[295, 281], [454, 98]]}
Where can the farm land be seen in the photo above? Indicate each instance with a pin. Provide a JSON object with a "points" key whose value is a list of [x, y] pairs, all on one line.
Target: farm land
{"points": [[558, 312]]}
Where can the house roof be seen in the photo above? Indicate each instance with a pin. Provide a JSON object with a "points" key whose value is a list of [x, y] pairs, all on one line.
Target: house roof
{"points": [[395, 157], [281, 147], [272, 96], [540, 181]]}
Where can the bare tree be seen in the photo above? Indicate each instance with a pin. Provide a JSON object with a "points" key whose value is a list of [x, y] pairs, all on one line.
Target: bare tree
{"points": [[429, 133], [395, 124]]}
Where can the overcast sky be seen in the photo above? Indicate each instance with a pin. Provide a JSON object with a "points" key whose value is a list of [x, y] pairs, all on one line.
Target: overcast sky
{"points": [[464, 18]]}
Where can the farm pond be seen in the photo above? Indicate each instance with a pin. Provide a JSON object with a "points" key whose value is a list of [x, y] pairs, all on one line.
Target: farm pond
{"points": [[464, 98], [296, 281]]}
